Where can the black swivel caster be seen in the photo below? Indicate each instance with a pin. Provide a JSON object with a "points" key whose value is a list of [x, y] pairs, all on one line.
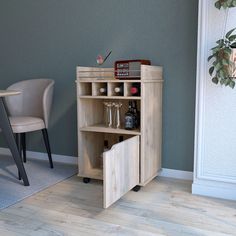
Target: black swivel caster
{"points": [[86, 180], [136, 188]]}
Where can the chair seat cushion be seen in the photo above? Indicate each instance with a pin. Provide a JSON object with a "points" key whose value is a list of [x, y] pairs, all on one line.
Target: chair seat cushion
{"points": [[23, 124]]}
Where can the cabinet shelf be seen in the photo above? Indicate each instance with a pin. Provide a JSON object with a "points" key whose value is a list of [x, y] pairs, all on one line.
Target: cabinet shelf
{"points": [[92, 80], [91, 88], [101, 128], [94, 173], [110, 97]]}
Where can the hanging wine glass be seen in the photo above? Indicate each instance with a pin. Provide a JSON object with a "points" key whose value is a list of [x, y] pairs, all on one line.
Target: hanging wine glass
{"points": [[117, 115], [108, 114]]}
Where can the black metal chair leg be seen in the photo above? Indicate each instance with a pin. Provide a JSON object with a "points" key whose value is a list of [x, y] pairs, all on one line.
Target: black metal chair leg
{"points": [[23, 142], [46, 141], [8, 134], [18, 143]]}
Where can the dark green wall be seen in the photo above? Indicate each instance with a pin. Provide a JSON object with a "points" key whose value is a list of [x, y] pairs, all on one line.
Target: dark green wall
{"points": [[48, 38]]}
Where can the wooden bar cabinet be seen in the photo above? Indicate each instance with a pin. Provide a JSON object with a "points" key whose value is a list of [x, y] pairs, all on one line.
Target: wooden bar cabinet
{"points": [[136, 160]]}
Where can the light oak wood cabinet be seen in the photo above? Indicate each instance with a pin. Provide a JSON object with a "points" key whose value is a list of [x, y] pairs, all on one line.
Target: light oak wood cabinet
{"points": [[134, 161]]}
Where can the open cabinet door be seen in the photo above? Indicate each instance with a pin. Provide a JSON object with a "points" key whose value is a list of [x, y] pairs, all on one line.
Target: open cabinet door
{"points": [[120, 169]]}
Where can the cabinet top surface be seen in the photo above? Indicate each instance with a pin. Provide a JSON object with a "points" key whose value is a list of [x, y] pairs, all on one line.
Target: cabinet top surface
{"points": [[94, 68], [94, 74]]}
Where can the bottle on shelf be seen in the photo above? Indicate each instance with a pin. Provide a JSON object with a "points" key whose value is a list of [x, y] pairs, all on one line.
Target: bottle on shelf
{"points": [[103, 91], [121, 139], [135, 89], [119, 90], [136, 114], [105, 148], [129, 118]]}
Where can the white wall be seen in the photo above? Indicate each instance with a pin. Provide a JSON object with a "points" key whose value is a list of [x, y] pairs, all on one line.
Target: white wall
{"points": [[215, 130]]}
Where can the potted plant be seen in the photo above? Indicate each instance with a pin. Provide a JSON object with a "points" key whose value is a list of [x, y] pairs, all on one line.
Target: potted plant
{"points": [[223, 56], [225, 4]]}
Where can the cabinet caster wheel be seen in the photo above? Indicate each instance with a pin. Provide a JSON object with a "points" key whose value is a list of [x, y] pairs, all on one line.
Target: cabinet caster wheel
{"points": [[136, 188], [86, 180]]}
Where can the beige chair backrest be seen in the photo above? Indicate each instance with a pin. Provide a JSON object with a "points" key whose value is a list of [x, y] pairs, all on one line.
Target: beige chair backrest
{"points": [[35, 99]]}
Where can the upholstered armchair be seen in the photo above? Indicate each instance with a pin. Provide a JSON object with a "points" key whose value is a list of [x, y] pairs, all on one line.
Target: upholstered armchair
{"points": [[30, 111]]}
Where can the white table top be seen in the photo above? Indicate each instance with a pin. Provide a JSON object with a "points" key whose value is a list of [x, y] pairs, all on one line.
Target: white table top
{"points": [[4, 93]]}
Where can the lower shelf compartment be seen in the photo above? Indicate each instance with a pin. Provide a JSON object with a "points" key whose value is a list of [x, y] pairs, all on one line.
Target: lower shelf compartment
{"points": [[91, 151], [118, 166], [93, 173]]}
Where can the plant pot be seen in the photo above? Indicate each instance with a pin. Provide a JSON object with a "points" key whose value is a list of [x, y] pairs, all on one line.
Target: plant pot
{"points": [[233, 59]]}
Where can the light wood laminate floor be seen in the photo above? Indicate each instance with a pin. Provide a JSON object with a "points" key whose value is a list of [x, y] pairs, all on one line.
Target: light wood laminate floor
{"points": [[163, 207]]}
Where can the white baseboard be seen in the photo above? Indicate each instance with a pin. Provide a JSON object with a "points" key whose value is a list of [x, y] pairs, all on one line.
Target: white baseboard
{"points": [[214, 191], [176, 174], [44, 156], [170, 173]]}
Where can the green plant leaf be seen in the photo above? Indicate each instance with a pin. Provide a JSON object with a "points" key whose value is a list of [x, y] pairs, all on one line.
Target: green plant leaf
{"points": [[233, 45], [215, 49], [228, 50], [225, 57], [229, 33], [215, 62], [225, 62], [224, 4], [222, 81], [211, 70], [232, 84], [222, 73], [218, 66], [232, 3], [210, 57], [227, 81], [220, 43], [232, 38], [215, 80], [217, 5]]}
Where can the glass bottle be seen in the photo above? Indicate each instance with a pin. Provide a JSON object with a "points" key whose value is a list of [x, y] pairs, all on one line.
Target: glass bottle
{"points": [[136, 114], [119, 90], [103, 91], [135, 89], [129, 118]]}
